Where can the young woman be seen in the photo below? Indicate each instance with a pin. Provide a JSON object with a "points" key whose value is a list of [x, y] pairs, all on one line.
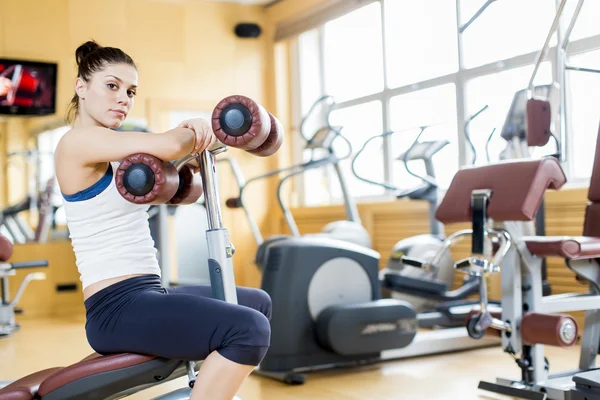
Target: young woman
{"points": [[127, 309]]}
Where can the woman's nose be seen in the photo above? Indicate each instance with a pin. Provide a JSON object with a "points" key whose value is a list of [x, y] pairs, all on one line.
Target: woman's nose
{"points": [[123, 98]]}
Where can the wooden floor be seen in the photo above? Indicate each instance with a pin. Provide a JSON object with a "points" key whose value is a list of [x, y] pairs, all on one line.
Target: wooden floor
{"points": [[43, 343]]}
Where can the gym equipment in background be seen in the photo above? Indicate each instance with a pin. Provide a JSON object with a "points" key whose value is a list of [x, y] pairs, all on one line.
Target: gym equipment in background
{"points": [[120, 375], [8, 307], [321, 320], [17, 230], [528, 321], [350, 230], [426, 290], [322, 141], [514, 132]]}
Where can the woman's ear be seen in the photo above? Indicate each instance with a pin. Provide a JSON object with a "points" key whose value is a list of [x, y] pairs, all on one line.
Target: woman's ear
{"points": [[80, 87]]}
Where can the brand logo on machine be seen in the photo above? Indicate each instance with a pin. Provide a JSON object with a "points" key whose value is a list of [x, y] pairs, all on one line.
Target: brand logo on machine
{"points": [[381, 327], [378, 328]]}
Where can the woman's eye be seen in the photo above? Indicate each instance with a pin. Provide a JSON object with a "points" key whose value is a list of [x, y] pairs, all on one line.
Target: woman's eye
{"points": [[111, 85], [131, 93]]}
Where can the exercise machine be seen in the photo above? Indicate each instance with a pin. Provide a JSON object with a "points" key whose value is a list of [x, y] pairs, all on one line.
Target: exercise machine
{"points": [[530, 320], [350, 230], [499, 211], [322, 141], [17, 230], [116, 376], [8, 306], [424, 290], [514, 133], [320, 321]]}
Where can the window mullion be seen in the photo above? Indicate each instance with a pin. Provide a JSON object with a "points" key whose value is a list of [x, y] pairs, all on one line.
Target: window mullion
{"points": [[461, 101], [388, 159]]}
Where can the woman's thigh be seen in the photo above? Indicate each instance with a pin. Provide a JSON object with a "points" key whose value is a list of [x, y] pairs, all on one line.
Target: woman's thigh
{"points": [[178, 324], [250, 297]]}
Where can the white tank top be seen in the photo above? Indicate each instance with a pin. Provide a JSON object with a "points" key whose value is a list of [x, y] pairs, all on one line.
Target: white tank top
{"points": [[110, 236]]}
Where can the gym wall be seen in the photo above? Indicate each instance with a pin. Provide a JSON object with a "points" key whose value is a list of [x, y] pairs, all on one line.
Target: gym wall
{"points": [[187, 55]]}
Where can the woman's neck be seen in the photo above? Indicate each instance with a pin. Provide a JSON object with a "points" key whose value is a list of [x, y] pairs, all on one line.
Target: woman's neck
{"points": [[83, 120]]}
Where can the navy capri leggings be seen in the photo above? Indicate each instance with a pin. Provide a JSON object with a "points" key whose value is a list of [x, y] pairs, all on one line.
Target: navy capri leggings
{"points": [[138, 315]]}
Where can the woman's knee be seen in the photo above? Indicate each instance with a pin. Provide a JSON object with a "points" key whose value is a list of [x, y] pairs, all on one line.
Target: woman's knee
{"points": [[256, 329], [265, 301], [257, 299], [251, 340]]}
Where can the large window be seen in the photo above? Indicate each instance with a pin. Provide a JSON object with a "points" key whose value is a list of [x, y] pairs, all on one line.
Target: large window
{"points": [[434, 108], [353, 54], [496, 91], [359, 122], [401, 65], [584, 90], [507, 28], [420, 43]]}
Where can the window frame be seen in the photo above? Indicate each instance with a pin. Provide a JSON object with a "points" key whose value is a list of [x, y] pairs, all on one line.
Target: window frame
{"points": [[459, 79]]}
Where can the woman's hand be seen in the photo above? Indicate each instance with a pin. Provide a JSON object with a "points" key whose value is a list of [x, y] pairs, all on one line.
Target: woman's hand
{"points": [[5, 86], [203, 140], [204, 134]]}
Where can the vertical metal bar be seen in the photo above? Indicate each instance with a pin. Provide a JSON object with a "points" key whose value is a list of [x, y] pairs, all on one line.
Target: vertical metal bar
{"points": [[162, 243], [349, 203], [511, 298], [565, 41], [479, 218], [211, 192], [220, 249], [4, 288], [590, 338], [544, 50], [461, 98], [388, 159]]}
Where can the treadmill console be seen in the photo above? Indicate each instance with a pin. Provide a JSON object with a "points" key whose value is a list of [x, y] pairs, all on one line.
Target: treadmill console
{"points": [[424, 150], [323, 138]]}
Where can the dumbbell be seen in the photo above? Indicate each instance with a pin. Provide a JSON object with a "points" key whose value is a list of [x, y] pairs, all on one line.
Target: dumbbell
{"points": [[145, 179], [237, 121]]}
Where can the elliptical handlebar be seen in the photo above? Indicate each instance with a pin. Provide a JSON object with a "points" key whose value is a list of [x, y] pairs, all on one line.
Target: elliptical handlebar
{"points": [[332, 159], [364, 146], [468, 135], [428, 181], [310, 110], [399, 192], [487, 146]]}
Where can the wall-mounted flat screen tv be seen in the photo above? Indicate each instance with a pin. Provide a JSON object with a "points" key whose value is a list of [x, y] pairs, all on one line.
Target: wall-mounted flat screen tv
{"points": [[27, 87]]}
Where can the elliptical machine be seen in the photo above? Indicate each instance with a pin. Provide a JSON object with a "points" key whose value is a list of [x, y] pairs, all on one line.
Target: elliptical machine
{"points": [[425, 290], [349, 230]]}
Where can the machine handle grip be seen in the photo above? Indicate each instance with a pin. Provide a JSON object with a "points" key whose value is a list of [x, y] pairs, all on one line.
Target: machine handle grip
{"points": [[30, 264], [412, 262]]}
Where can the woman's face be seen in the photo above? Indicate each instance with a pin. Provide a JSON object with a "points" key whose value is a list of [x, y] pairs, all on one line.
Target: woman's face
{"points": [[109, 94]]}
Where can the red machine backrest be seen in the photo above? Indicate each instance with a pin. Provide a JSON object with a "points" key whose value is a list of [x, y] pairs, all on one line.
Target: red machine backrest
{"points": [[518, 187]]}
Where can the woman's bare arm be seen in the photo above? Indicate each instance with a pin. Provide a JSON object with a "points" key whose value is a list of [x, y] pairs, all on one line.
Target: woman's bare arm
{"points": [[94, 145]]}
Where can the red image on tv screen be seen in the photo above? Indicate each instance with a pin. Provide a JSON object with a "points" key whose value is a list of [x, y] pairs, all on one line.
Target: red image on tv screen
{"points": [[26, 86]]}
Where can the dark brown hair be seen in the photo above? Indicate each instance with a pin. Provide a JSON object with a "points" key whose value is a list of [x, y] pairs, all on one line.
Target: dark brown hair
{"points": [[91, 57]]}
